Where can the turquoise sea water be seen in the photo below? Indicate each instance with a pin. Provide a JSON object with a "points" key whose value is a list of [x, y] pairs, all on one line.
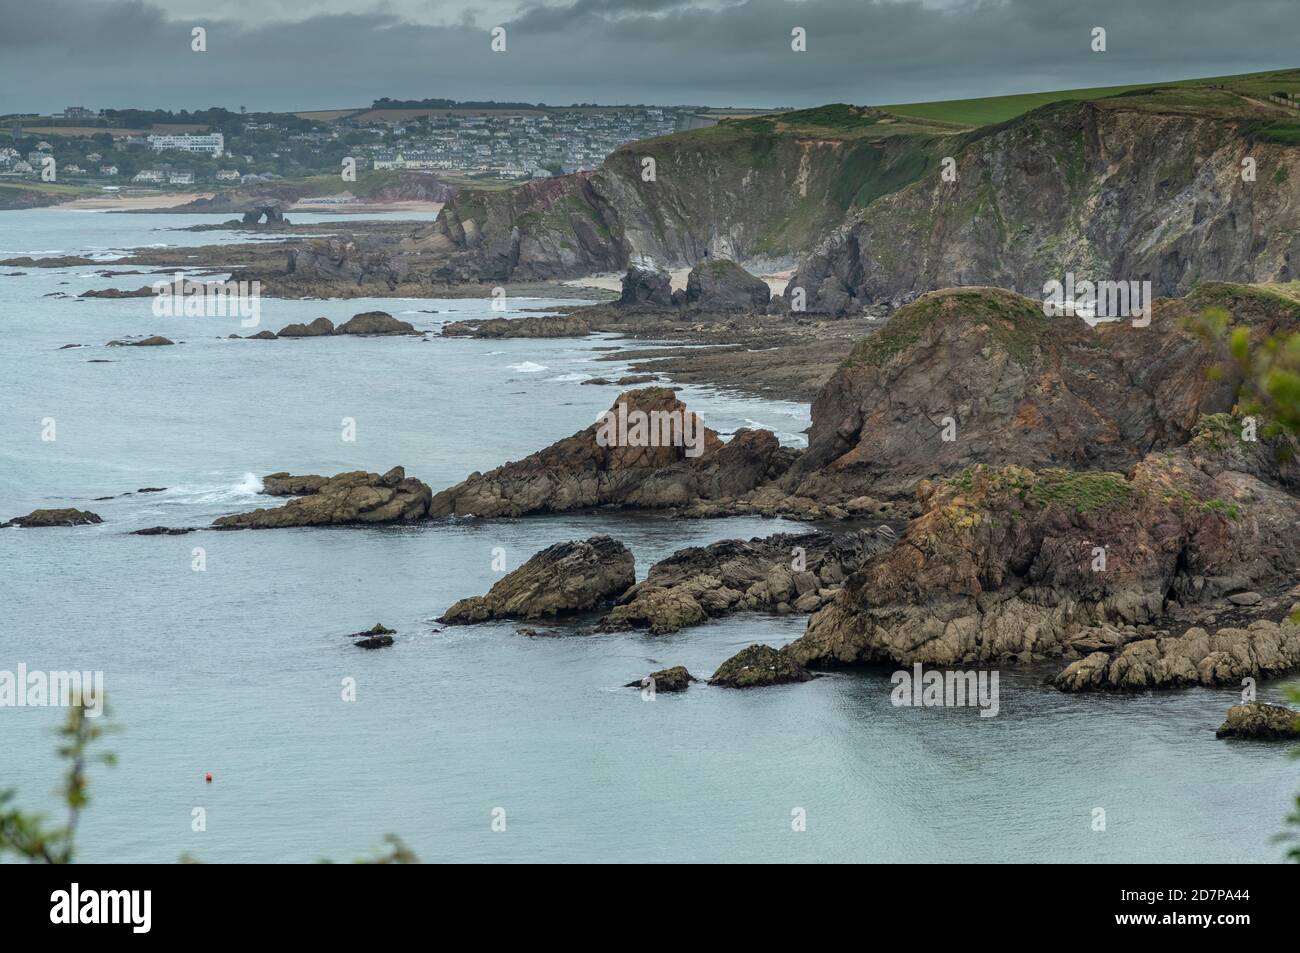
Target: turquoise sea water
{"points": [[237, 670]]}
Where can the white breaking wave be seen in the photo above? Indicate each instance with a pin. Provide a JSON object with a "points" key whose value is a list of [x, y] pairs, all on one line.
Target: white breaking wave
{"points": [[527, 367], [567, 378]]}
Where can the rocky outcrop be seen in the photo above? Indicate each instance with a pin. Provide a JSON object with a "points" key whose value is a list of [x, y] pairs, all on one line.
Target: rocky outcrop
{"points": [[156, 340], [781, 573], [675, 679], [1260, 721], [1196, 657], [967, 376], [377, 636], [719, 284], [318, 328], [560, 580], [644, 456], [540, 326], [646, 285], [354, 497], [758, 666], [1010, 564], [57, 517], [375, 323]]}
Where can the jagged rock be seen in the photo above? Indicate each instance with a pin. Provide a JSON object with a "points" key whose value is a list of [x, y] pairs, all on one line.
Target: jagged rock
{"points": [[560, 580], [647, 286], [719, 284], [1258, 720], [1194, 658], [58, 517], [354, 497], [675, 679], [375, 323], [698, 583], [1006, 563], [376, 637], [318, 328], [650, 467], [286, 484], [757, 666]]}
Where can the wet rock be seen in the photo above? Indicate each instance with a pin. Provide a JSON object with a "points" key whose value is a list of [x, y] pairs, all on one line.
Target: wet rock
{"points": [[318, 328], [164, 531], [675, 679], [375, 323], [1260, 721], [376, 637], [265, 335], [56, 517], [560, 580], [348, 498], [757, 666], [156, 340], [286, 484]]}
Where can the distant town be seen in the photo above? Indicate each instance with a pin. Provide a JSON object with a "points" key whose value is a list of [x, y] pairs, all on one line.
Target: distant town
{"points": [[210, 148]]}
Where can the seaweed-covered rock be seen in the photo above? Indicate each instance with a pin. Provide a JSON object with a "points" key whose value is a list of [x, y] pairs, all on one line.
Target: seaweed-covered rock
{"points": [[757, 666], [675, 679], [1258, 720], [57, 517]]}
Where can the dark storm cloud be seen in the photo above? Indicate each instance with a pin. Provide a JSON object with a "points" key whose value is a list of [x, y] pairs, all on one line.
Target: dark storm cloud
{"points": [[116, 53]]}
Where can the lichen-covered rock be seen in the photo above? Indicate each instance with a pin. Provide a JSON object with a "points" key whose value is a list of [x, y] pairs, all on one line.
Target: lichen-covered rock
{"points": [[354, 497], [718, 284], [55, 517], [1196, 657], [1258, 720], [1008, 563], [675, 679], [560, 580], [759, 665]]}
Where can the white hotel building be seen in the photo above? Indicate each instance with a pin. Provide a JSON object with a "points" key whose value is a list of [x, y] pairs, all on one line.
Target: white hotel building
{"points": [[211, 143]]}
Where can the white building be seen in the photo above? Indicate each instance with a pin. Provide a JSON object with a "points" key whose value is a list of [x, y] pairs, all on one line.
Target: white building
{"points": [[213, 144], [181, 178], [227, 175], [150, 175]]}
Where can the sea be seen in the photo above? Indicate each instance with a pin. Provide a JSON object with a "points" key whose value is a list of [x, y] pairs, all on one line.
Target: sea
{"points": [[227, 653]]}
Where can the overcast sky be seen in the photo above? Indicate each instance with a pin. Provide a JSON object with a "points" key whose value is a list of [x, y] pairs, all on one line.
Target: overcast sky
{"points": [[300, 54]]}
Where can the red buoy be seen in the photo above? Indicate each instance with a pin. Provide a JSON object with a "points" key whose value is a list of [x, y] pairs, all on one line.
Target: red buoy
{"points": [[208, 777]]}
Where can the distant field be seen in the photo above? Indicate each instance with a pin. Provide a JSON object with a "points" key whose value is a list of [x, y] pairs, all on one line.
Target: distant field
{"points": [[995, 109], [328, 115], [81, 131]]}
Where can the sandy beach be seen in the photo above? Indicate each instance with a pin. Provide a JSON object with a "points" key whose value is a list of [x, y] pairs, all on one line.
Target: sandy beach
{"points": [[119, 201], [776, 280]]}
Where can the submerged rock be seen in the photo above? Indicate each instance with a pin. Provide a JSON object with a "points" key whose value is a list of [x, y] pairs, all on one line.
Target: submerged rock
{"points": [[559, 580], [156, 340], [58, 517], [354, 497], [164, 531], [1258, 720], [757, 666], [675, 679]]}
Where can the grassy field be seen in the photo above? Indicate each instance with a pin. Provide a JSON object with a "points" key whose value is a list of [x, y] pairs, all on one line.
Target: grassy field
{"points": [[972, 113]]}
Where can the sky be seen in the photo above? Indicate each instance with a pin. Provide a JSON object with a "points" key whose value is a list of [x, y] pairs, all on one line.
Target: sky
{"points": [[298, 54]]}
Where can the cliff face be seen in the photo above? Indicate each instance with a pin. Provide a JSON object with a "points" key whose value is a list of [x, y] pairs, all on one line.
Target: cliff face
{"points": [[1132, 188]]}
